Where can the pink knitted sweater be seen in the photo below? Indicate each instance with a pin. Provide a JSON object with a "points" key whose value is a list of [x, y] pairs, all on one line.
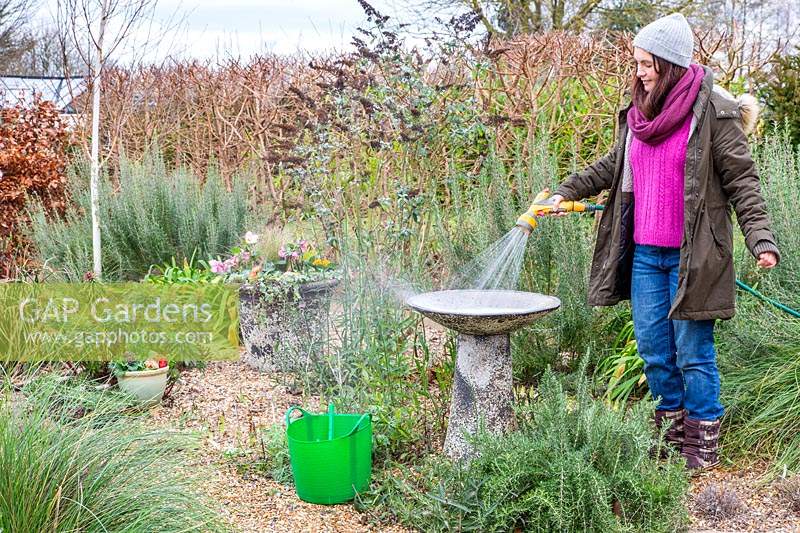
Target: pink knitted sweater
{"points": [[658, 175]]}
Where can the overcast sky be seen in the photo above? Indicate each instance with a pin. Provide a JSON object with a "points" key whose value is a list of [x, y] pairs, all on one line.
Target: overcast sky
{"points": [[278, 25], [244, 27]]}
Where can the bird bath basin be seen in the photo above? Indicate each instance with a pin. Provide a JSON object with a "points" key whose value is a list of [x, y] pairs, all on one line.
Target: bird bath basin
{"points": [[482, 388]]}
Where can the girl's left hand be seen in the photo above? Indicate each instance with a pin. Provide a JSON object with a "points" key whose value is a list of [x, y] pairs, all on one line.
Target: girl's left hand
{"points": [[767, 260]]}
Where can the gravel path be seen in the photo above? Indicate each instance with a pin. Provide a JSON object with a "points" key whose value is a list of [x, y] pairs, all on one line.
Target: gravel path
{"points": [[739, 500], [231, 403]]}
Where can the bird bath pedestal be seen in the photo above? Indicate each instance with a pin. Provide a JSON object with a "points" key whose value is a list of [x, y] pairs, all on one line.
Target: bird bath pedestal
{"points": [[482, 388]]}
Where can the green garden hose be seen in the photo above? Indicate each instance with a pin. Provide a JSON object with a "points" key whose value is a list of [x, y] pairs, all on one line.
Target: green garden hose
{"points": [[744, 286], [757, 294], [739, 283]]}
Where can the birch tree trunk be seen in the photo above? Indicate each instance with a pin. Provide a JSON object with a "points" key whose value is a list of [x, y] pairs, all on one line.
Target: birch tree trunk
{"points": [[94, 183]]}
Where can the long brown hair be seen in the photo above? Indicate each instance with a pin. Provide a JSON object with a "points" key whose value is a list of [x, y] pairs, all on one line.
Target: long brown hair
{"points": [[650, 104]]}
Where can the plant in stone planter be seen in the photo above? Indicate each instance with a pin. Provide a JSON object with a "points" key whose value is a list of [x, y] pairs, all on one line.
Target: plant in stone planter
{"points": [[284, 300], [146, 380], [189, 272], [297, 263]]}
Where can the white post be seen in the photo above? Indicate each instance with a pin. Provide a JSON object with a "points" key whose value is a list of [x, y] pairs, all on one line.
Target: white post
{"points": [[94, 184]]}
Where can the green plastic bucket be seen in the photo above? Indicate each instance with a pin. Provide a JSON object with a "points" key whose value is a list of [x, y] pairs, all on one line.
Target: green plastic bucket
{"points": [[331, 455]]}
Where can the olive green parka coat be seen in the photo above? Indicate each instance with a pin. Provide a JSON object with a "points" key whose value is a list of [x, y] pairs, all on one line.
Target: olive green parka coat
{"points": [[719, 174]]}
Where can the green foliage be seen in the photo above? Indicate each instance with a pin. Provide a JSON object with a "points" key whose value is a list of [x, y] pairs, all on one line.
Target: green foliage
{"points": [[573, 465], [95, 369], [169, 274], [622, 370], [154, 215], [573, 142], [633, 15], [274, 458], [780, 89], [72, 461], [189, 272], [380, 362], [779, 165], [378, 358], [520, 17], [763, 412], [759, 350], [120, 367], [299, 262]]}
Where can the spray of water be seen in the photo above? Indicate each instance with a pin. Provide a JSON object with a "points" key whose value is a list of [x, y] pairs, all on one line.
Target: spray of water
{"points": [[388, 278], [497, 267]]}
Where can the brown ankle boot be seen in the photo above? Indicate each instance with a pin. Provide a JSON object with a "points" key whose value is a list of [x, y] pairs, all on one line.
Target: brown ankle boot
{"points": [[675, 432], [700, 444]]}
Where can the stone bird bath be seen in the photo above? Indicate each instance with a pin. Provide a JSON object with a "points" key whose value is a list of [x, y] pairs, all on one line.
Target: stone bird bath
{"points": [[482, 389]]}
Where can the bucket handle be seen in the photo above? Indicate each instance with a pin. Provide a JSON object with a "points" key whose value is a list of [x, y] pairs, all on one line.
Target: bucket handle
{"points": [[289, 412], [298, 408], [352, 431]]}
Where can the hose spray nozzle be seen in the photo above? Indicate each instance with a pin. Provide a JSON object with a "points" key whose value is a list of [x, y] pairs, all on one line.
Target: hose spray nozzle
{"points": [[543, 205]]}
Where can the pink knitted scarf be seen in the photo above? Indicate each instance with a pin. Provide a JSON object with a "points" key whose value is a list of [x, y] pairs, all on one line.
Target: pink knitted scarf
{"points": [[677, 106]]}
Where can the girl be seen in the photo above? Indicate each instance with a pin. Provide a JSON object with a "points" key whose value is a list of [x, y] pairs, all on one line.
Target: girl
{"points": [[665, 239]]}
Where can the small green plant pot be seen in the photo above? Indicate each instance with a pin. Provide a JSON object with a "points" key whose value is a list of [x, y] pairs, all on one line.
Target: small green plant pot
{"points": [[147, 386]]}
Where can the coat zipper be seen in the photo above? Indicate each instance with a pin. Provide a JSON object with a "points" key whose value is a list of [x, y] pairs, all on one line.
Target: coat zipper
{"points": [[682, 286]]}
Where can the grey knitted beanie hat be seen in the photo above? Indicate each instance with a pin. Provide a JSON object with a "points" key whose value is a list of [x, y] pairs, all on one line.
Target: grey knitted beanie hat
{"points": [[669, 37]]}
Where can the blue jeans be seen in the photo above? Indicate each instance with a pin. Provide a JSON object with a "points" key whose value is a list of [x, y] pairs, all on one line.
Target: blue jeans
{"points": [[679, 355]]}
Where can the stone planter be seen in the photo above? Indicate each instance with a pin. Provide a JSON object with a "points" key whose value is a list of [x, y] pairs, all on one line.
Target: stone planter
{"points": [[285, 334], [146, 385]]}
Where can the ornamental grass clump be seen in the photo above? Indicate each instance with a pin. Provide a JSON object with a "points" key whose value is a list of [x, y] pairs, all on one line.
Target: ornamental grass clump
{"points": [[73, 459], [572, 465], [761, 397]]}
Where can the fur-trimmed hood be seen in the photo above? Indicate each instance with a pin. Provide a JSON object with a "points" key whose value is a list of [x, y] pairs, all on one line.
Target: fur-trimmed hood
{"points": [[748, 107]]}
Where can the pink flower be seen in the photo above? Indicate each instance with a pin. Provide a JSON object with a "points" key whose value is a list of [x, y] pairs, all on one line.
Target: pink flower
{"points": [[218, 267], [304, 246], [244, 257], [232, 261], [295, 254], [282, 253]]}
